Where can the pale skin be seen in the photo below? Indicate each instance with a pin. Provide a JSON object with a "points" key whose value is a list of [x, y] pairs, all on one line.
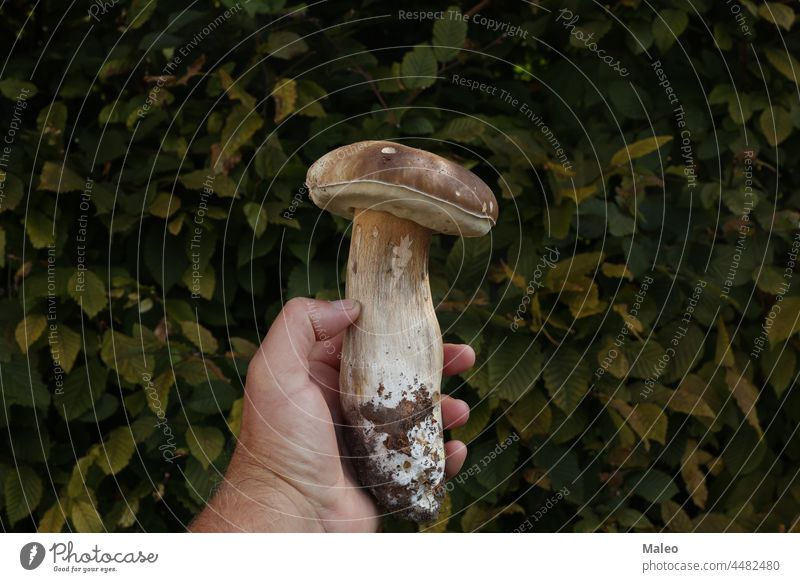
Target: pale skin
{"points": [[288, 472]]}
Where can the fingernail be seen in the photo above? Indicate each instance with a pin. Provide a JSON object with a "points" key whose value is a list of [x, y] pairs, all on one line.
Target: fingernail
{"points": [[345, 304]]}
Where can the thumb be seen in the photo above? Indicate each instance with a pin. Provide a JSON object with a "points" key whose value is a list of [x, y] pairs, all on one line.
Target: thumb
{"points": [[299, 326]]}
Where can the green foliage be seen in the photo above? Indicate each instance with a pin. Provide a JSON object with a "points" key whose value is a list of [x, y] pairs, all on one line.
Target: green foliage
{"points": [[154, 219]]}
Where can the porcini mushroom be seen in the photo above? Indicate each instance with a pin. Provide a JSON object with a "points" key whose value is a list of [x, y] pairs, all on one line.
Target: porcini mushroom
{"points": [[391, 362]]}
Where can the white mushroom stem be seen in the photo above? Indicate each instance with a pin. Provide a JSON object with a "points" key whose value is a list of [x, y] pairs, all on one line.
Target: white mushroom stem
{"points": [[391, 367]]}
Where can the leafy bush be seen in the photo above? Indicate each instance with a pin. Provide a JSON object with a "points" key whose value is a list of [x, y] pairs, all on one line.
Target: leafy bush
{"points": [[634, 310]]}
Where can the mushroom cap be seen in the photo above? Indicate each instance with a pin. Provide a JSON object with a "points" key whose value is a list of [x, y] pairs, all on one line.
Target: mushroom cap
{"points": [[406, 182]]}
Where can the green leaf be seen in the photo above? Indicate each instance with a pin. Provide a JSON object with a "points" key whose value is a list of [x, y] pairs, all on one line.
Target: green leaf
{"points": [[668, 26], [140, 12], [29, 330], [449, 34], [14, 89], [639, 149], [82, 388], [514, 366], [776, 124], [39, 228], [202, 338], [286, 45], [463, 130], [256, 216], [200, 482], [566, 377], [788, 323], [164, 205], [779, 366], [469, 261], [207, 181], [479, 417], [12, 189], [205, 443], [531, 415], [132, 359], [23, 492], [23, 385], [88, 291], [653, 485], [116, 451], [419, 68], [84, 516]]}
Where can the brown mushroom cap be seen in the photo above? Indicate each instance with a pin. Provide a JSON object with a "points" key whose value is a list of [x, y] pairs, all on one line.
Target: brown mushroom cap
{"points": [[406, 182]]}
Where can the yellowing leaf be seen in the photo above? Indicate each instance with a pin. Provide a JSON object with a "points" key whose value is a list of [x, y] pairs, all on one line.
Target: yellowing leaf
{"points": [[201, 283], [687, 398], [85, 517], [616, 271], [639, 149], [785, 63], [787, 324], [53, 519], [578, 195], [235, 417], [631, 321], [59, 178], [746, 396], [240, 126], [584, 304], [116, 451], [88, 290], [570, 274], [165, 205], [776, 124], [29, 330], [158, 393], [647, 420], [724, 350], [235, 90], [285, 96], [202, 338], [779, 14], [693, 475], [65, 346]]}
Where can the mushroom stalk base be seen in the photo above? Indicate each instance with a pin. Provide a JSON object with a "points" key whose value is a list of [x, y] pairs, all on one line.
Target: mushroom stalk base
{"points": [[391, 367]]}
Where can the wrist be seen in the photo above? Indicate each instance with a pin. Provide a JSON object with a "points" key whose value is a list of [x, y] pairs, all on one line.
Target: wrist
{"points": [[251, 497]]}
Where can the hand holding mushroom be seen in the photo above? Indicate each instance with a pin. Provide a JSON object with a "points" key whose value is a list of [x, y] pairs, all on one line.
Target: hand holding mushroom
{"points": [[391, 366]]}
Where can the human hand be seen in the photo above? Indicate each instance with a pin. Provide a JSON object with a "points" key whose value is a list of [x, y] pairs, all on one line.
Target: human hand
{"points": [[290, 470]]}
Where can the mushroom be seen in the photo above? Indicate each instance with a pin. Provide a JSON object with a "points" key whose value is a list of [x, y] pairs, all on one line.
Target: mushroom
{"points": [[391, 361]]}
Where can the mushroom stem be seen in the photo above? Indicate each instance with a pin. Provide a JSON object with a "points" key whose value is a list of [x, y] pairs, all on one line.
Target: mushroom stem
{"points": [[391, 367]]}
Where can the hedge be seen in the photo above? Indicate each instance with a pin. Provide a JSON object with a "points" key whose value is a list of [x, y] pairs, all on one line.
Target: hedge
{"points": [[634, 310]]}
